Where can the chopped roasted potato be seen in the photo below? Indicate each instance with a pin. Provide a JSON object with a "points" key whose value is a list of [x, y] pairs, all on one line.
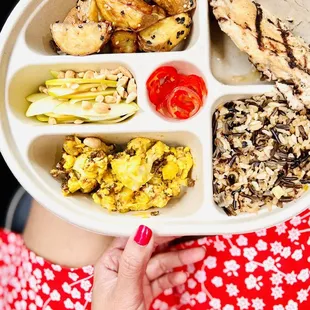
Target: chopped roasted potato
{"points": [[81, 39], [133, 15], [173, 7], [124, 42], [72, 17], [84, 11], [165, 34]]}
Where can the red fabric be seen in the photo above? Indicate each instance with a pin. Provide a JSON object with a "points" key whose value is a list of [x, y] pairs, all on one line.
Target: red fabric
{"points": [[267, 270]]}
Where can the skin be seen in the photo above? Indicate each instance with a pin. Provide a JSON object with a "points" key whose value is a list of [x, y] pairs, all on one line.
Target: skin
{"points": [[128, 276]]}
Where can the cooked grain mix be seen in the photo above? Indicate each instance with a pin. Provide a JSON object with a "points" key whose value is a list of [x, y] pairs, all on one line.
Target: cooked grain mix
{"points": [[261, 153]]}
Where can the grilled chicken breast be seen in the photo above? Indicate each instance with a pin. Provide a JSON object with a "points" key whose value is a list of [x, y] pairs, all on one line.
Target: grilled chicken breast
{"points": [[272, 48]]}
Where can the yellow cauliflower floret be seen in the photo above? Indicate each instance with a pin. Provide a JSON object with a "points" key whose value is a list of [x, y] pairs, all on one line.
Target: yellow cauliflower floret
{"points": [[69, 161], [170, 171]]}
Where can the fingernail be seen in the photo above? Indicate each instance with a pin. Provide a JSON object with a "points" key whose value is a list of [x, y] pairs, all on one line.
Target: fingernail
{"points": [[143, 235]]}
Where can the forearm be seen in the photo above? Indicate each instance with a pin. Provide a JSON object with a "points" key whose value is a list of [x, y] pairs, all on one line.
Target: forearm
{"points": [[60, 242]]}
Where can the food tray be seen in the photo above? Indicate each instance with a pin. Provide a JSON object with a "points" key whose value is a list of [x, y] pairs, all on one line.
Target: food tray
{"points": [[32, 148]]}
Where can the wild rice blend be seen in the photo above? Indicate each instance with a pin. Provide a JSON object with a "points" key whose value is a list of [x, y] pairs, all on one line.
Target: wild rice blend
{"points": [[261, 153]]}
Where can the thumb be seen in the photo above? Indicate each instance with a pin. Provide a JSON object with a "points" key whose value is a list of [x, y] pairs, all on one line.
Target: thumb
{"points": [[134, 260]]}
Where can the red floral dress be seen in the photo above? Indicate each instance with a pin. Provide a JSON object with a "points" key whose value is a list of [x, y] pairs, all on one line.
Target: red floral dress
{"points": [[266, 270]]}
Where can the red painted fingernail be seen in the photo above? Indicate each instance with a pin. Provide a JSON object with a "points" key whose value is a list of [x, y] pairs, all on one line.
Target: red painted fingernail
{"points": [[143, 235]]}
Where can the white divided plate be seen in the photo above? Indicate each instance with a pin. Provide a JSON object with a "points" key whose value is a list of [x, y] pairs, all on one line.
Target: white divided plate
{"points": [[32, 148]]}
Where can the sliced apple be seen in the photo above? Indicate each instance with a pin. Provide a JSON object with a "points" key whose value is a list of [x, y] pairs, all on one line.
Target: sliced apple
{"points": [[42, 118], [43, 106], [36, 97], [89, 95], [117, 110], [60, 91], [81, 39], [59, 82]]}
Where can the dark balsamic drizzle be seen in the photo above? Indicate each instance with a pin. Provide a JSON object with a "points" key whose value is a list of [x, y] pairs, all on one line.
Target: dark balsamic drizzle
{"points": [[285, 34], [258, 22]]}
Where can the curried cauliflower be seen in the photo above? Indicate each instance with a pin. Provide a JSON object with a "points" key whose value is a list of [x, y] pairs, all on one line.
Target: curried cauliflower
{"points": [[146, 174]]}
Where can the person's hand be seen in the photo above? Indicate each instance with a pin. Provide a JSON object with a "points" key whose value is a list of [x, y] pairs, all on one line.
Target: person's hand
{"points": [[128, 277]]}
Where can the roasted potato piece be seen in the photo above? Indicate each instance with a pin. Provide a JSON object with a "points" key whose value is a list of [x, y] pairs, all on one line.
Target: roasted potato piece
{"points": [[124, 42], [84, 11], [165, 34], [133, 15], [72, 17], [81, 39], [173, 7]]}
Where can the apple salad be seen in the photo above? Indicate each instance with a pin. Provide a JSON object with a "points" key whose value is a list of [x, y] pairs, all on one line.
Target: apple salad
{"points": [[108, 96]]}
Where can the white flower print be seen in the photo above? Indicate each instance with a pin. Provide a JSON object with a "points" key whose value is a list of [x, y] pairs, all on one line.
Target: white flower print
{"points": [[302, 295], [304, 275], [228, 307], [277, 292], [49, 274], [202, 241], [281, 228], [37, 273], [292, 305], [231, 268], [200, 276], [156, 304], [258, 304], [164, 306], [73, 276], [276, 278], [78, 306], [291, 278], [168, 292], [217, 281], [295, 221], [32, 282], [294, 234], [56, 268], [215, 303], [210, 262], [75, 294], [46, 289], [232, 290], [55, 296], [261, 245], [253, 282], [24, 294], [66, 287], [286, 252], [242, 240], [219, 245], [243, 303], [48, 308], [297, 255], [278, 307], [69, 304], [269, 264], [85, 285], [39, 260], [185, 298], [191, 268], [261, 233], [39, 301], [235, 251], [32, 306], [250, 267], [276, 247], [89, 270], [249, 253], [201, 297], [31, 295], [191, 283], [88, 296]]}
